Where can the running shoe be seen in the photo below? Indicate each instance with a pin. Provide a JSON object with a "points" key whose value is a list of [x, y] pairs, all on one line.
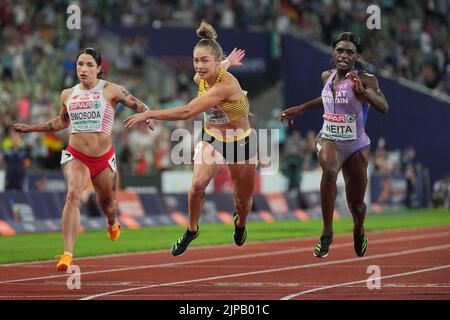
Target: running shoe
{"points": [[114, 231], [65, 261], [322, 247], [240, 234], [360, 244], [180, 246]]}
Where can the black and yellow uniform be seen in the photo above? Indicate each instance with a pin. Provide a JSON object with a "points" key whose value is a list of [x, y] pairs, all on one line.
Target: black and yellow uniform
{"points": [[239, 148], [224, 112]]}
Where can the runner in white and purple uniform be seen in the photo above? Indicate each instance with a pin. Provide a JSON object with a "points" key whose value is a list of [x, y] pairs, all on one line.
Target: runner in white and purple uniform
{"points": [[344, 117], [343, 143]]}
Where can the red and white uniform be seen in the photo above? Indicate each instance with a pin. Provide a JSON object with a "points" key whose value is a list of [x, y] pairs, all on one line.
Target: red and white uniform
{"points": [[89, 111]]}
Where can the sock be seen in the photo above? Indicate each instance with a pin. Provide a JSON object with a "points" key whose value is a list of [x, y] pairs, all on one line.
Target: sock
{"points": [[68, 253], [112, 225], [192, 232]]}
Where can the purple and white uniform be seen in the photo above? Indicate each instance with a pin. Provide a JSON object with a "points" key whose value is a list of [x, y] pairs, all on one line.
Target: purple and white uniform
{"points": [[344, 118]]}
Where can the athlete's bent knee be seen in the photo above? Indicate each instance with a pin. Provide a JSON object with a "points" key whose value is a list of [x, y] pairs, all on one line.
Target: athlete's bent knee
{"points": [[357, 208], [243, 204], [330, 174], [198, 186], [108, 205], [73, 197]]}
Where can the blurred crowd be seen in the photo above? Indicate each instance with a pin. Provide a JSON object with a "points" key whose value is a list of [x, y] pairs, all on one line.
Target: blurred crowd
{"points": [[389, 163], [413, 42], [37, 61]]}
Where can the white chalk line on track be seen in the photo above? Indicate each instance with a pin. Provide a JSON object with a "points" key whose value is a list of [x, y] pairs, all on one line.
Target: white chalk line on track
{"points": [[385, 255], [250, 243], [237, 257], [261, 294], [403, 274]]}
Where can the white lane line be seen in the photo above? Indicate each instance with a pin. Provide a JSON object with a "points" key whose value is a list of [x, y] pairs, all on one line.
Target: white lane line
{"points": [[251, 243], [363, 281], [235, 275], [238, 257]]}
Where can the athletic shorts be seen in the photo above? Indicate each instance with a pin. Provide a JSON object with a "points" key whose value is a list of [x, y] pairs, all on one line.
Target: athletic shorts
{"points": [[94, 164], [347, 148], [239, 150]]}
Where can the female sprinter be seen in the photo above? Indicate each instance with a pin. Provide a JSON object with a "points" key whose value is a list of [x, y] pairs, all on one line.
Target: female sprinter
{"points": [[226, 136], [88, 108], [343, 143]]}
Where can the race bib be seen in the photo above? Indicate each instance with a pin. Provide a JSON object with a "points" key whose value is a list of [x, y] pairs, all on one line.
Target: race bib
{"points": [[197, 149], [339, 126], [86, 114], [215, 115], [65, 156], [112, 163]]}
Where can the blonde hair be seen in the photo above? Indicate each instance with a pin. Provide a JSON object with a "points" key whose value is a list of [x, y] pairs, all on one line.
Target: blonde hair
{"points": [[208, 40]]}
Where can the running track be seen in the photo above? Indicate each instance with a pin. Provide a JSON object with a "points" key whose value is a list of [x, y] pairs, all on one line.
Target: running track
{"points": [[414, 264]]}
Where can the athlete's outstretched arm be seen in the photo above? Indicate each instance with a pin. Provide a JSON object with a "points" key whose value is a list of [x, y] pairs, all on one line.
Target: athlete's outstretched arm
{"points": [[202, 103], [287, 116], [122, 95], [62, 121]]}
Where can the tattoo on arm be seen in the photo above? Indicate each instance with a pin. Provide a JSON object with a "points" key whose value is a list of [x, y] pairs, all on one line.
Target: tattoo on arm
{"points": [[134, 103], [131, 102], [125, 92], [50, 125], [56, 124]]}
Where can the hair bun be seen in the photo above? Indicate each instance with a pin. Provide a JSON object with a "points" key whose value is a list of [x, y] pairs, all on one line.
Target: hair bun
{"points": [[206, 31]]}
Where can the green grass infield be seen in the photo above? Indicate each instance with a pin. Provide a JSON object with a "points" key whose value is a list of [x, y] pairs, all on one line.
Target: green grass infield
{"points": [[35, 247]]}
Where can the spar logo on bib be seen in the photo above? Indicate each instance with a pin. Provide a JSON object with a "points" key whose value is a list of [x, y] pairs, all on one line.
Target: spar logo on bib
{"points": [[339, 126], [96, 104]]}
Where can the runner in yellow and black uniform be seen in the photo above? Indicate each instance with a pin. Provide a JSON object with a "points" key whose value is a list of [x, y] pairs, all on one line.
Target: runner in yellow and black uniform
{"points": [[227, 137], [236, 147]]}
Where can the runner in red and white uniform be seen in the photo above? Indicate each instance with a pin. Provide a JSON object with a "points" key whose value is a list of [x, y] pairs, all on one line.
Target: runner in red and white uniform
{"points": [[88, 108]]}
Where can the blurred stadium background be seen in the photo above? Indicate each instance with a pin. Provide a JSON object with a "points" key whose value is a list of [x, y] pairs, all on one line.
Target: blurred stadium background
{"points": [[147, 46]]}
